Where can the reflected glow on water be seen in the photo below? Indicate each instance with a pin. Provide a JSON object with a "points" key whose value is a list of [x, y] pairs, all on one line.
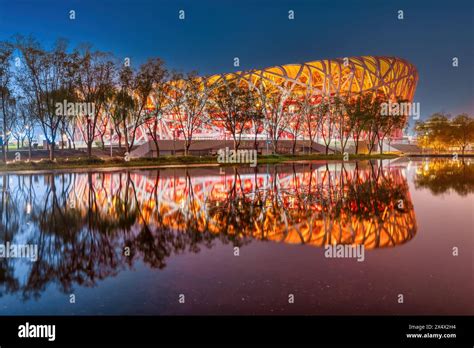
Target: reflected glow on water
{"points": [[93, 227]]}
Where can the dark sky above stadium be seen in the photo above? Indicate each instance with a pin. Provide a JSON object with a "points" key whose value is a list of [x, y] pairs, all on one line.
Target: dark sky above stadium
{"points": [[261, 35]]}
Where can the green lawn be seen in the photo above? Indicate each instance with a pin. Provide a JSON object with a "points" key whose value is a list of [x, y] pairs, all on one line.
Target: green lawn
{"points": [[94, 162]]}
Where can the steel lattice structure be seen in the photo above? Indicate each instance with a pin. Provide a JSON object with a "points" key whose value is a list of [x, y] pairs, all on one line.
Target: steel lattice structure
{"points": [[390, 76], [393, 77]]}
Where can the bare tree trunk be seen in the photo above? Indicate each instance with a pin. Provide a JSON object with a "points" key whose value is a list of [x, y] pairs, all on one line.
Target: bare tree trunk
{"points": [[274, 146], [356, 140], [51, 151], [89, 148], [155, 141], [102, 141], [187, 145], [235, 142], [127, 144], [255, 141], [371, 144]]}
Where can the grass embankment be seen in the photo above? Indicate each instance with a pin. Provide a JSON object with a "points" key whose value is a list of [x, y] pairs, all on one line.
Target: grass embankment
{"points": [[95, 162], [270, 159]]}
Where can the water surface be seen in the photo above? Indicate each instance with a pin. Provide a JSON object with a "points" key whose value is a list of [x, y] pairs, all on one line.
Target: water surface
{"points": [[241, 240]]}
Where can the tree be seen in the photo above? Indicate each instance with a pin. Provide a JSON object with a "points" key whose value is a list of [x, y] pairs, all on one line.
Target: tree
{"points": [[433, 133], [117, 109], [136, 87], [108, 121], [126, 103], [189, 95], [27, 120], [103, 123], [8, 109], [373, 121], [343, 123], [328, 120], [232, 107], [272, 99], [295, 120], [93, 82], [257, 118], [356, 109], [260, 122], [120, 113], [308, 112], [160, 104], [18, 126], [48, 79], [389, 123], [462, 131], [7, 101]]}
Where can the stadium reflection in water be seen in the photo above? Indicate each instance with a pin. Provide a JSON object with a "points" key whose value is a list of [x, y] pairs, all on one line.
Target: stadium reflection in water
{"points": [[94, 225]]}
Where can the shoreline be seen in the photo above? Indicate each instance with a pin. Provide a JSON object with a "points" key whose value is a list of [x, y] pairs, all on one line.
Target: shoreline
{"points": [[97, 164]]}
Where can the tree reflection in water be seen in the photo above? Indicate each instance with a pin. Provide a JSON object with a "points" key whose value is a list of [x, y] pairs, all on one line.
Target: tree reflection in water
{"points": [[83, 222], [442, 176]]}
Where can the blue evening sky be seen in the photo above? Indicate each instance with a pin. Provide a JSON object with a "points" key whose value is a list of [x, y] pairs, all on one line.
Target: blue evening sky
{"points": [[260, 34]]}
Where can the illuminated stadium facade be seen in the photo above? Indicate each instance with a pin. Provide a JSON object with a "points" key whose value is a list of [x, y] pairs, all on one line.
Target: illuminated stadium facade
{"points": [[393, 77], [388, 76]]}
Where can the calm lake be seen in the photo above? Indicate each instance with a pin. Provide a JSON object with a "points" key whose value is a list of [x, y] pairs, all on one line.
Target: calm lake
{"points": [[241, 240]]}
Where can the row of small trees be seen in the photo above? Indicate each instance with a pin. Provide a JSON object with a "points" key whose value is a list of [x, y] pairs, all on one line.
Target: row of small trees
{"points": [[299, 113], [33, 83], [441, 132], [34, 80]]}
